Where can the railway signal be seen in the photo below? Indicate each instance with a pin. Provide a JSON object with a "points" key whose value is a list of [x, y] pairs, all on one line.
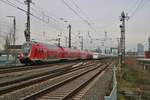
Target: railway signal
{"points": [[122, 39]]}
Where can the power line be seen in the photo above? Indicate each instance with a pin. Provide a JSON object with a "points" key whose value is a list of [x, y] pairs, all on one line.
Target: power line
{"points": [[37, 12], [7, 2], [19, 2], [45, 14], [76, 5], [116, 28], [42, 10], [15, 6], [84, 14], [75, 12], [131, 7], [87, 16], [139, 6]]}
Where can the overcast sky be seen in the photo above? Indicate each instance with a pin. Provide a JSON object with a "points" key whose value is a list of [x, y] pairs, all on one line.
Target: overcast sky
{"points": [[103, 15]]}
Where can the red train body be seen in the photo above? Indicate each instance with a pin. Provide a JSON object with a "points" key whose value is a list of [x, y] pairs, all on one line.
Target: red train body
{"points": [[36, 52]]}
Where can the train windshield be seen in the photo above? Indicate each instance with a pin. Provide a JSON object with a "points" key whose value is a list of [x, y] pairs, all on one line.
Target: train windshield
{"points": [[26, 48]]}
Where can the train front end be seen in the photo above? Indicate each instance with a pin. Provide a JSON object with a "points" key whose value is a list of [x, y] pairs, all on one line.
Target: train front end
{"points": [[25, 53]]}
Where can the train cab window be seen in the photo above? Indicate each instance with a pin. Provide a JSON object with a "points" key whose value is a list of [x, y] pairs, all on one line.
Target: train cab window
{"points": [[26, 48]]}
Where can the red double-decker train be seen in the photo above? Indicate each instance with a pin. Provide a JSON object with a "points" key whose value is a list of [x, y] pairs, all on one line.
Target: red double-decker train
{"points": [[36, 52]]}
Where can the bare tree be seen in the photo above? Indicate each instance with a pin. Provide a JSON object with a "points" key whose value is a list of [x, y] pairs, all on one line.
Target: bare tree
{"points": [[8, 40]]}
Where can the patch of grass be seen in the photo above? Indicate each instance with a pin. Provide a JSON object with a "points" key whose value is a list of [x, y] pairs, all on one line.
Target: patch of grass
{"points": [[134, 78], [129, 76], [146, 95], [125, 84], [121, 97]]}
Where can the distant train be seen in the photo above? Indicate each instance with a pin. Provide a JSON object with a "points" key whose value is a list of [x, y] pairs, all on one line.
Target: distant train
{"points": [[36, 52], [96, 55]]}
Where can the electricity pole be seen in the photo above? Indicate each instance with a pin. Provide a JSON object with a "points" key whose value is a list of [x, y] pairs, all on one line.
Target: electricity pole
{"points": [[27, 30], [69, 35], [59, 39], [14, 36], [81, 42], [14, 29], [118, 43], [149, 43], [66, 41], [105, 40], [122, 39]]}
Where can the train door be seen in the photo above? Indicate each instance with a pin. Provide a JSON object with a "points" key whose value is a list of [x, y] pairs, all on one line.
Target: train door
{"points": [[45, 54], [62, 53]]}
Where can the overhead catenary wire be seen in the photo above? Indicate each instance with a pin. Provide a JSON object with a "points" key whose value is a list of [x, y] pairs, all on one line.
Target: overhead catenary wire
{"points": [[41, 19], [76, 5], [15, 6], [92, 25], [87, 18], [46, 14], [21, 9], [43, 14], [76, 13], [139, 5], [81, 11], [131, 7], [56, 16], [20, 2]]}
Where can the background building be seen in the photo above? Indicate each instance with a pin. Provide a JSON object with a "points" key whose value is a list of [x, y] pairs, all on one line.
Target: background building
{"points": [[140, 49]]}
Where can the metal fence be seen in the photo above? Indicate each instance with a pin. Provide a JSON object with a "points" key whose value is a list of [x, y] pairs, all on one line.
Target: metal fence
{"points": [[113, 94]]}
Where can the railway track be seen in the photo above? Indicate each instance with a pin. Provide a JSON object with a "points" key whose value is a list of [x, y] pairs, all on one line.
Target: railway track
{"points": [[27, 80], [15, 77], [67, 88], [7, 78], [10, 87], [4, 70]]}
